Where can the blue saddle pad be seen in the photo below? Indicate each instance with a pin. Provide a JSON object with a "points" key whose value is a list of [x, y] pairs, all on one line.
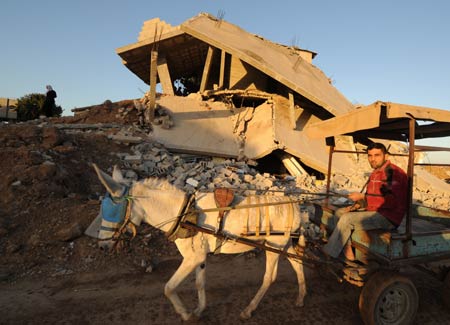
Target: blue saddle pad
{"points": [[113, 211]]}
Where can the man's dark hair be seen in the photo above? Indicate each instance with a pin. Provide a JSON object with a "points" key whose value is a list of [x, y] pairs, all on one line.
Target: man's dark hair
{"points": [[377, 145]]}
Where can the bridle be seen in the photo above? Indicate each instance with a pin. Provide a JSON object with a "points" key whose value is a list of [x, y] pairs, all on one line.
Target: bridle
{"points": [[125, 222], [119, 231]]}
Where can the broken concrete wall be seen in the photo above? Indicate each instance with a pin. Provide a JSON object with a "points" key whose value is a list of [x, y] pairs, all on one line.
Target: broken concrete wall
{"points": [[199, 127], [212, 128]]}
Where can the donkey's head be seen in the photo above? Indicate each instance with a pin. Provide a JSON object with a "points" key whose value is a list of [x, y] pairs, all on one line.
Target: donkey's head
{"points": [[113, 208]]}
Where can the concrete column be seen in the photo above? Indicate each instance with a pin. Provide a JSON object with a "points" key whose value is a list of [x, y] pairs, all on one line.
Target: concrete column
{"points": [[150, 112]]}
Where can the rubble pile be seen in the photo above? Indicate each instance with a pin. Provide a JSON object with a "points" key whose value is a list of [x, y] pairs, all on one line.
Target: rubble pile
{"points": [[199, 173]]}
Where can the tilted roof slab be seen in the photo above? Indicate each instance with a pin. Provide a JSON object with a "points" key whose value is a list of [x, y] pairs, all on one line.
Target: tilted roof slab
{"points": [[186, 46], [279, 62]]}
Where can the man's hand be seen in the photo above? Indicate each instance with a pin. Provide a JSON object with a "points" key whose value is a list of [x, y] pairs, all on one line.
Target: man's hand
{"points": [[356, 196], [351, 208]]}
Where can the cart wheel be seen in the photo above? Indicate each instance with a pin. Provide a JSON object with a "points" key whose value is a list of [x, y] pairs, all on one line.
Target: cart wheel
{"points": [[446, 291], [388, 298]]}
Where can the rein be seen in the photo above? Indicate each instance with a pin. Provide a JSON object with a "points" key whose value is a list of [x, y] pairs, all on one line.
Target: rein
{"points": [[127, 222], [249, 206]]}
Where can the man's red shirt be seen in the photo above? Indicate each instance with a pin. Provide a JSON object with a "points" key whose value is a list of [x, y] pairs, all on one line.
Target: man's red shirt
{"points": [[387, 192]]}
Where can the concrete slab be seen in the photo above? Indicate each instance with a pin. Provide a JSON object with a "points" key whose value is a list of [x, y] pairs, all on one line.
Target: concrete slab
{"points": [[282, 63], [197, 129]]}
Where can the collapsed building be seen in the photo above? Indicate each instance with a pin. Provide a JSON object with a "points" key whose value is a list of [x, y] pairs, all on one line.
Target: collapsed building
{"points": [[265, 92], [232, 94]]}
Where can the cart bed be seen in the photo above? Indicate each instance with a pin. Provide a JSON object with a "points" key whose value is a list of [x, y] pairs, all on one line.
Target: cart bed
{"points": [[430, 237]]}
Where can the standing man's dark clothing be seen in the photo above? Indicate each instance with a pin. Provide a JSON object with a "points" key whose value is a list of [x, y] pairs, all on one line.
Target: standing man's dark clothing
{"points": [[49, 103]]}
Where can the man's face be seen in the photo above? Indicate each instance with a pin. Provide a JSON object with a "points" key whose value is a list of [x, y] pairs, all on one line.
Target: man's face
{"points": [[376, 158]]}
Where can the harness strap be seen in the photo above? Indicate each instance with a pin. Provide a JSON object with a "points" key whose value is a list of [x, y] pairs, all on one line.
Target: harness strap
{"points": [[188, 200], [127, 221], [289, 221], [267, 218], [246, 206], [108, 228], [258, 217], [246, 230]]}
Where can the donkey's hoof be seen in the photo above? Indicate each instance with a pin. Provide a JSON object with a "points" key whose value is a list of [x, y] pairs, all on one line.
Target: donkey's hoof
{"points": [[299, 302], [245, 315], [186, 316], [197, 313]]}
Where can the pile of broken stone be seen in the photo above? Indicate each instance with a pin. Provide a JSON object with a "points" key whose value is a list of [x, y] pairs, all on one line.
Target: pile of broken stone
{"points": [[200, 173], [197, 173]]}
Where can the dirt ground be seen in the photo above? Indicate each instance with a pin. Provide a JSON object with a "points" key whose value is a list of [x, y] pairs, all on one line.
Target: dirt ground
{"points": [[50, 273]]}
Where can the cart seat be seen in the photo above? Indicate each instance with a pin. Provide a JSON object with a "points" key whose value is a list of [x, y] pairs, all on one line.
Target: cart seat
{"points": [[428, 237]]}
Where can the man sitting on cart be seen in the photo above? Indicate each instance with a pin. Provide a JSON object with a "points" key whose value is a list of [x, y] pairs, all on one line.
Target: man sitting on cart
{"points": [[382, 206]]}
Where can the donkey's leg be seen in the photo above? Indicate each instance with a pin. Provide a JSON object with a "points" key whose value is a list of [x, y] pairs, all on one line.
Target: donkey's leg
{"points": [[269, 277], [298, 268], [188, 264], [200, 284]]}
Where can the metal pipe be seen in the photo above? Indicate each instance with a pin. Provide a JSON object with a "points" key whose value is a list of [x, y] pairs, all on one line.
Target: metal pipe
{"points": [[330, 159], [365, 152], [422, 164], [409, 210]]}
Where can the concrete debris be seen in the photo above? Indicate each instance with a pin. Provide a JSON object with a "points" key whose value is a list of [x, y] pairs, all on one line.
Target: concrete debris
{"points": [[16, 183], [204, 173], [125, 138], [200, 173], [69, 233]]}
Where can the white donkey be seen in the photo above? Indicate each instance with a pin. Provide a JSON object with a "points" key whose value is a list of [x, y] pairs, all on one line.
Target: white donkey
{"points": [[159, 203]]}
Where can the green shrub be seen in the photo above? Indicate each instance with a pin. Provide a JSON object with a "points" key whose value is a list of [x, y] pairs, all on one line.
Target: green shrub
{"points": [[29, 107], [57, 111]]}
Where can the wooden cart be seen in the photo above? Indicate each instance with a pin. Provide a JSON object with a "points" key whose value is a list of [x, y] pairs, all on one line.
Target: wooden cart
{"points": [[387, 295]]}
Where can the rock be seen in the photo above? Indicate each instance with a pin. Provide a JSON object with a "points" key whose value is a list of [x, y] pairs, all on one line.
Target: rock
{"points": [[46, 170], [70, 232], [125, 138], [12, 248], [133, 158], [34, 240], [192, 182], [51, 137]]}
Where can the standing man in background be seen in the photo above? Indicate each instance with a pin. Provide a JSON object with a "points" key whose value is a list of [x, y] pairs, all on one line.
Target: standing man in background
{"points": [[49, 103]]}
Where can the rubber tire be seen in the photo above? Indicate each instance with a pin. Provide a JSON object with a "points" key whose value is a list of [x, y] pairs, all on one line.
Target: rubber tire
{"points": [[377, 297], [446, 291]]}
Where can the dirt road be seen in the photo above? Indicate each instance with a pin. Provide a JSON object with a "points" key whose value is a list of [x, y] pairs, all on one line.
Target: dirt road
{"points": [[131, 296]]}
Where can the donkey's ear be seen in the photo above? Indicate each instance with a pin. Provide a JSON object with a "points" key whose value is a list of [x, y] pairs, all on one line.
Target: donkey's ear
{"points": [[117, 175], [113, 187]]}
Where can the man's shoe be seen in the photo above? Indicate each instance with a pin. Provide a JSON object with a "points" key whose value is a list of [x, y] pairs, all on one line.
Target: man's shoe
{"points": [[348, 252]]}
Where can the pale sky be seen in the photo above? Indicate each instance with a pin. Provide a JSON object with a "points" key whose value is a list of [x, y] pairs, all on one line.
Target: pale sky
{"points": [[389, 50]]}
